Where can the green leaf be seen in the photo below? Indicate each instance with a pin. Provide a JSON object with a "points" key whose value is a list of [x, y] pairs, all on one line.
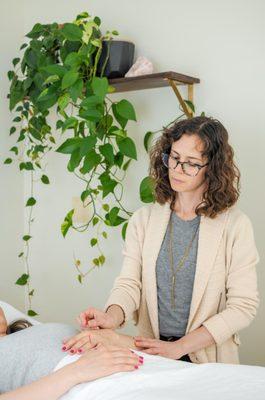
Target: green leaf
{"points": [[114, 218], [14, 149], [51, 79], [108, 184], [26, 237], [10, 75], [84, 144], [23, 280], [147, 137], [76, 89], [104, 234], [90, 161], [69, 79], [15, 61], [30, 202], [125, 109], [146, 190], [126, 165], [21, 254], [16, 93], [85, 194], [100, 86], [79, 277], [124, 229], [12, 130], [101, 259], [67, 222], [107, 151], [95, 221], [54, 69], [127, 147], [31, 293], [93, 242], [8, 161], [72, 32], [105, 207], [190, 104], [63, 101], [69, 123], [96, 261], [45, 179], [32, 313]]}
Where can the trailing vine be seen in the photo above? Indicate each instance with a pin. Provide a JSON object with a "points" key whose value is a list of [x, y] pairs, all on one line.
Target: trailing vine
{"points": [[58, 70]]}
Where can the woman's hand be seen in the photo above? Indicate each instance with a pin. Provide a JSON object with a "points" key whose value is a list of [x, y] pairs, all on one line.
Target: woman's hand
{"points": [[88, 339], [103, 361], [3, 323], [172, 350], [94, 318]]}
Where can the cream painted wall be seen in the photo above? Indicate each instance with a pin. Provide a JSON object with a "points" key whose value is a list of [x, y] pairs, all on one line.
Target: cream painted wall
{"points": [[220, 42]]}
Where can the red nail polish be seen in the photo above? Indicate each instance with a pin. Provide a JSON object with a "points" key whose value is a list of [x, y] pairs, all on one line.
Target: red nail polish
{"points": [[63, 348], [141, 361], [136, 367], [72, 351], [141, 357], [80, 350]]}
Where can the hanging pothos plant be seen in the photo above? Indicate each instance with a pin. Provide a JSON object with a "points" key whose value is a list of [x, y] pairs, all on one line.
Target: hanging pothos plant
{"points": [[58, 70]]}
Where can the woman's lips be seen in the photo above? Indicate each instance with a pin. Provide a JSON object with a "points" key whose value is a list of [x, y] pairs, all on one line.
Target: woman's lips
{"points": [[177, 180]]}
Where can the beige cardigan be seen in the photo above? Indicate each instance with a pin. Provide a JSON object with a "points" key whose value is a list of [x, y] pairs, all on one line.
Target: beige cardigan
{"points": [[225, 296]]}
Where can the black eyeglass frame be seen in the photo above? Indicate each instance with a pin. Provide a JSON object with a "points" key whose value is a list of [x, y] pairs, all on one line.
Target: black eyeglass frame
{"points": [[182, 163]]}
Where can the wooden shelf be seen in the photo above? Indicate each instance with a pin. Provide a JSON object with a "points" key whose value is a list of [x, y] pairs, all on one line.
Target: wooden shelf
{"points": [[160, 79], [151, 81]]}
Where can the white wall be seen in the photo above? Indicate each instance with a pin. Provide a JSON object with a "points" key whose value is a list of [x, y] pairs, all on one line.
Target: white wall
{"points": [[222, 43], [11, 182]]}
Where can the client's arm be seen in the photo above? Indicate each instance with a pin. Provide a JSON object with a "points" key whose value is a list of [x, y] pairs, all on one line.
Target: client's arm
{"points": [[100, 361]]}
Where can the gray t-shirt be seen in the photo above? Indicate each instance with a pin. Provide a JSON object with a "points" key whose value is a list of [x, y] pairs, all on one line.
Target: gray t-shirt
{"points": [[174, 323], [32, 353]]}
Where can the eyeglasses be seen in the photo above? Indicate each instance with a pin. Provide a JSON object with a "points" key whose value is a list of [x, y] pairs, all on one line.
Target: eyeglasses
{"points": [[188, 168]]}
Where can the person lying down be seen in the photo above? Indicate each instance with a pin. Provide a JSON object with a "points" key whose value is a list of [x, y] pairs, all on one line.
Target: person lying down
{"points": [[34, 366], [30, 352]]}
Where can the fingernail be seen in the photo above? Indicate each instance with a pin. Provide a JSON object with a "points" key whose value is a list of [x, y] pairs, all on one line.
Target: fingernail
{"points": [[63, 348], [141, 358], [136, 367], [141, 361], [72, 351], [80, 350]]}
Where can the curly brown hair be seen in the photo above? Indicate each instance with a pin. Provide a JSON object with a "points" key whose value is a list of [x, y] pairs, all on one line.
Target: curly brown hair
{"points": [[222, 175]]}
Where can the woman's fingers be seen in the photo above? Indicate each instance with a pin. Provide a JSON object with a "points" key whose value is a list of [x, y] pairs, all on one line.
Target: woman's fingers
{"points": [[83, 344], [145, 342], [151, 351], [67, 345]]}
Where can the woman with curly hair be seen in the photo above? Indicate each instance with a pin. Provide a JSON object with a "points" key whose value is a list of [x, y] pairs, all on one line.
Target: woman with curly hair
{"points": [[188, 277]]}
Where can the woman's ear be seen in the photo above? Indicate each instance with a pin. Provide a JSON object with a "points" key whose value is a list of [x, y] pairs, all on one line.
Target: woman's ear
{"points": [[3, 323]]}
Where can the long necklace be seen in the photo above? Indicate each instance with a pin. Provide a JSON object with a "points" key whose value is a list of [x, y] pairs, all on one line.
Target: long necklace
{"points": [[180, 263]]}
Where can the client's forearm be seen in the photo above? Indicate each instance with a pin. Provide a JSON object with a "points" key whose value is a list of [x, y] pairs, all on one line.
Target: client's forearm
{"points": [[49, 387], [125, 341], [196, 340]]}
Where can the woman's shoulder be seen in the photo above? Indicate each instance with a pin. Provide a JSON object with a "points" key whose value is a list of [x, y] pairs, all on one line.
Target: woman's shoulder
{"points": [[237, 218]]}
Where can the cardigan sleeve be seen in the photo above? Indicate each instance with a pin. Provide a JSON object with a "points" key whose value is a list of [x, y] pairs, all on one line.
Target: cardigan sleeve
{"points": [[242, 297], [126, 291]]}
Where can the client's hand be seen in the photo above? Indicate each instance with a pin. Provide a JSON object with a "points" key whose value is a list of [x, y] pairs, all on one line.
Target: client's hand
{"points": [[3, 323], [172, 350], [94, 318], [88, 339], [103, 361]]}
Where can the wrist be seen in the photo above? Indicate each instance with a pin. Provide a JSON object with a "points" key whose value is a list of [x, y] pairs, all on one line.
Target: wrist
{"points": [[181, 347], [116, 314]]}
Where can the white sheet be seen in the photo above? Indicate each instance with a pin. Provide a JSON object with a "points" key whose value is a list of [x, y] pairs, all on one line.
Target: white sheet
{"points": [[11, 313], [160, 378]]}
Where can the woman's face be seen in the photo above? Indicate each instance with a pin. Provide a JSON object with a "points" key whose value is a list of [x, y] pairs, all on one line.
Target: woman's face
{"points": [[3, 323], [187, 148]]}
